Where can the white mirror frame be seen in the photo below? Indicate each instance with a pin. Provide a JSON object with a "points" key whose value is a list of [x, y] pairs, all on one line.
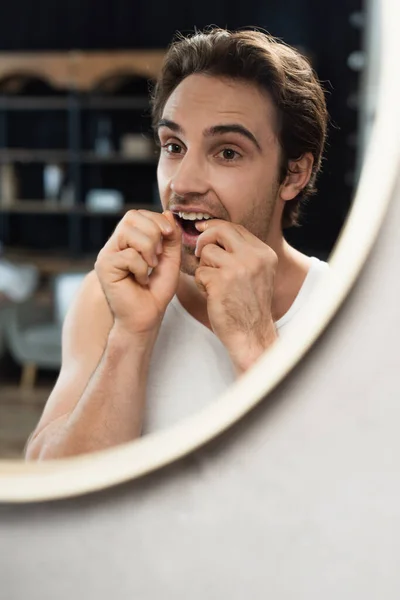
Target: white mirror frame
{"points": [[31, 482]]}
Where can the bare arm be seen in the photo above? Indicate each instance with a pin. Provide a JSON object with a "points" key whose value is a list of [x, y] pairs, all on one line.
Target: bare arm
{"points": [[108, 338], [99, 397]]}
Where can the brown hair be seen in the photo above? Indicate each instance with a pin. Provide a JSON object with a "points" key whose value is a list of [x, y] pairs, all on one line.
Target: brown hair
{"points": [[273, 66]]}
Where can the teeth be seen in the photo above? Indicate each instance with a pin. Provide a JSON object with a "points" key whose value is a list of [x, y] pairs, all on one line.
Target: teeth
{"points": [[192, 216]]}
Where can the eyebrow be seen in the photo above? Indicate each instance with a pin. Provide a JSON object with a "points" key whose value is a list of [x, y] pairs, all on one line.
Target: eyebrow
{"points": [[215, 130]]}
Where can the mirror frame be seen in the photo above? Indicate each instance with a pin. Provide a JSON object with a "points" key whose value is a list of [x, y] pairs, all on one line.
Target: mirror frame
{"points": [[22, 482]]}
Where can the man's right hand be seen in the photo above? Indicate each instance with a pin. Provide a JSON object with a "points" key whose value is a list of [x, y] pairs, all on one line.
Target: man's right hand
{"points": [[142, 240]]}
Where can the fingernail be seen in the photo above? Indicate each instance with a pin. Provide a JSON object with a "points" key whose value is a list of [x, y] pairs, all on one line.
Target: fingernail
{"points": [[159, 248], [155, 261], [200, 226]]}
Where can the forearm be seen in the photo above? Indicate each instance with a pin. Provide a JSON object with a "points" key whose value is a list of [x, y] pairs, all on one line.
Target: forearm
{"points": [[248, 349], [110, 410]]}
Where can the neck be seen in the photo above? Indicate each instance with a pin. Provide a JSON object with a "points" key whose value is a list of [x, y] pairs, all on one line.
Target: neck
{"points": [[292, 270], [290, 275]]}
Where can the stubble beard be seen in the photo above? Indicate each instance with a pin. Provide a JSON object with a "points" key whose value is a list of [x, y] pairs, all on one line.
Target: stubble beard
{"points": [[258, 224], [189, 262]]}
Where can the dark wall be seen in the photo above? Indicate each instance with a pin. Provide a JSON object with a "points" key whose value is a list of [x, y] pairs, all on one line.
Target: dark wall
{"points": [[321, 27], [99, 24]]}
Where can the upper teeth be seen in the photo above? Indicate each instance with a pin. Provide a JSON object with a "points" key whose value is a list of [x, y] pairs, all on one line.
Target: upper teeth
{"points": [[192, 216]]}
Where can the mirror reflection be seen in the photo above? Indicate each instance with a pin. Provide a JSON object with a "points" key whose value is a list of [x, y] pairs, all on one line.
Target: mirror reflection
{"points": [[154, 246]]}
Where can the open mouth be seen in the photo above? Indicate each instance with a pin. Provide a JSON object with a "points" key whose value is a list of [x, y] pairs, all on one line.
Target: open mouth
{"points": [[187, 222]]}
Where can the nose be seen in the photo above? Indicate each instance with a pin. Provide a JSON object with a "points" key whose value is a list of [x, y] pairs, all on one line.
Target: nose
{"points": [[190, 176]]}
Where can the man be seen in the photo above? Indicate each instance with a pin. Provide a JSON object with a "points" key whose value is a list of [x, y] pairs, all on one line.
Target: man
{"points": [[181, 303]]}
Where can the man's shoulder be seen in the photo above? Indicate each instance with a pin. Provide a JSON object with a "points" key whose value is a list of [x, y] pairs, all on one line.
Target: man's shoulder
{"points": [[316, 270], [318, 265]]}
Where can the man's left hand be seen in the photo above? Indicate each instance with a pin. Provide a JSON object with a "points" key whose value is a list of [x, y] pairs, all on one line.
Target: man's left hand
{"points": [[237, 272]]}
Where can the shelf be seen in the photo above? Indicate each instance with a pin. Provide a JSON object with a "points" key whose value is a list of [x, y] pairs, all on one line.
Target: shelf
{"points": [[22, 103], [32, 103], [116, 158], [113, 103], [82, 70], [42, 207], [50, 263], [24, 155]]}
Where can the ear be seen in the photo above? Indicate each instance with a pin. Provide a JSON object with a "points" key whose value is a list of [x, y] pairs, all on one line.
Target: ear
{"points": [[297, 177]]}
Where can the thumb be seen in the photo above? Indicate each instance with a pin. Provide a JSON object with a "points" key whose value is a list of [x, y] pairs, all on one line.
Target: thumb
{"points": [[173, 242], [165, 276]]}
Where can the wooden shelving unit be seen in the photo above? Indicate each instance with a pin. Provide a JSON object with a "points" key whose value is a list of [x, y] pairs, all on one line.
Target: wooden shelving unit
{"points": [[83, 86]]}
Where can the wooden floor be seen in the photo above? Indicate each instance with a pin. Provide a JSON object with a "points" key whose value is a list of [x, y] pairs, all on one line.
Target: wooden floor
{"points": [[19, 411]]}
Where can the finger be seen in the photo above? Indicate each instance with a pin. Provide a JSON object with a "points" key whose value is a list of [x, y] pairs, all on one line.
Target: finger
{"points": [[160, 219], [129, 260], [204, 277], [218, 232], [119, 265], [145, 223], [205, 225], [138, 232], [242, 232], [215, 256], [172, 244], [133, 218], [170, 261], [141, 242]]}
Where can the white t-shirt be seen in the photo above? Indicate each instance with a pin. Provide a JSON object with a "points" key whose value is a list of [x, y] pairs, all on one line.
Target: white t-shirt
{"points": [[190, 367]]}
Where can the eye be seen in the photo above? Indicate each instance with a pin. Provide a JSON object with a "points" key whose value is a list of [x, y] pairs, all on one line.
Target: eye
{"points": [[229, 155], [172, 148]]}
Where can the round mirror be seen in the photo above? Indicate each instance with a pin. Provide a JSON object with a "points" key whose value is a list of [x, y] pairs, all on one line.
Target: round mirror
{"points": [[191, 152]]}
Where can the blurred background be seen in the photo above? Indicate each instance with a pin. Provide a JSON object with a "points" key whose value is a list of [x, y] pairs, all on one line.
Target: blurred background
{"points": [[76, 150]]}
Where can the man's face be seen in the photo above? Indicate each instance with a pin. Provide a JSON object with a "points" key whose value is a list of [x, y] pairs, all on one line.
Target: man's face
{"points": [[220, 156]]}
